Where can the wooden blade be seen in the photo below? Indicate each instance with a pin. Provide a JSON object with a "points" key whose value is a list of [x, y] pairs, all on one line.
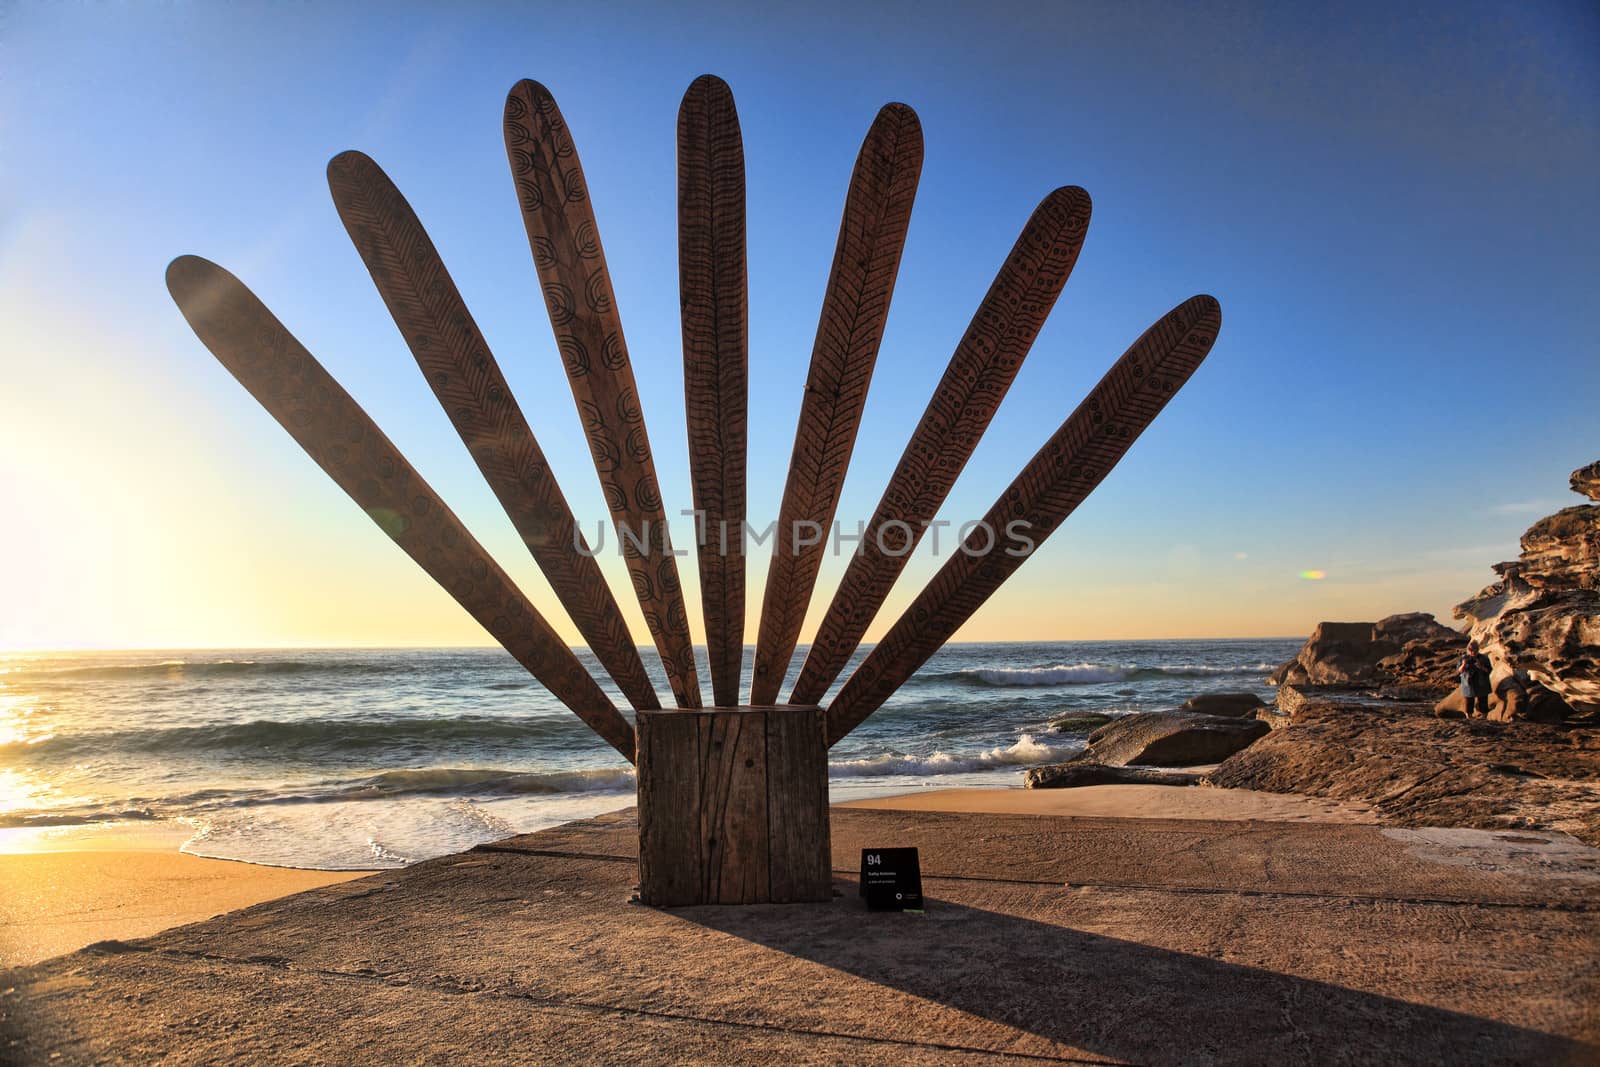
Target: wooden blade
{"points": [[583, 312], [712, 290], [463, 374], [976, 380], [872, 234], [295, 389], [1066, 470]]}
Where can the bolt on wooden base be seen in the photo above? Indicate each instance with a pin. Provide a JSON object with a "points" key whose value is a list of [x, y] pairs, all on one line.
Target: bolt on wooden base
{"points": [[733, 806]]}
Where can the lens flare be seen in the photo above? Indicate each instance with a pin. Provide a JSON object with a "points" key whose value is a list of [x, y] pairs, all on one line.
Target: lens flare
{"points": [[1313, 576]]}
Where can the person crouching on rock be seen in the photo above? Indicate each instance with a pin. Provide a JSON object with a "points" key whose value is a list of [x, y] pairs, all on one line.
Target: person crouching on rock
{"points": [[1474, 673]]}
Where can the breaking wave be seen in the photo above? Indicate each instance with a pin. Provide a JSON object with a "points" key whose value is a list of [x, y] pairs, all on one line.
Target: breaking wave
{"points": [[1026, 752]]}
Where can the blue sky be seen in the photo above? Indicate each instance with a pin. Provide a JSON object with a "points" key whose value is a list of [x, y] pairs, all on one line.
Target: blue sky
{"points": [[1398, 213]]}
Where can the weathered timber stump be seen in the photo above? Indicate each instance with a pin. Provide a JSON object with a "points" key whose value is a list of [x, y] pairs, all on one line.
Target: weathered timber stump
{"points": [[733, 806]]}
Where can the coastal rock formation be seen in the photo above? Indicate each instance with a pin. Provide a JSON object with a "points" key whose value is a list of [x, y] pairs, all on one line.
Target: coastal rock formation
{"points": [[1069, 775], [1541, 620], [1409, 649], [1237, 705], [1417, 770], [1170, 739], [1539, 625]]}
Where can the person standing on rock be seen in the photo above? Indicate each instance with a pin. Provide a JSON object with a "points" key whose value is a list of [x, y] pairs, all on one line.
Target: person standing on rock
{"points": [[1474, 674]]}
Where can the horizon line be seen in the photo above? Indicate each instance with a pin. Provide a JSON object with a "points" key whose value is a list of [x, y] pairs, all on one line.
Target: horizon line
{"points": [[580, 647]]}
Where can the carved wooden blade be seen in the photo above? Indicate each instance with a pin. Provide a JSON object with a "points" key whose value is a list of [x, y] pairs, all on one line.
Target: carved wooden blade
{"points": [[976, 380], [462, 371], [583, 312], [712, 290], [333, 429], [872, 234], [1066, 470]]}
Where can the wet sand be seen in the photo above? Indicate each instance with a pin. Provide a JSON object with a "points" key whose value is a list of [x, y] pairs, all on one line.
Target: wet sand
{"points": [[67, 887]]}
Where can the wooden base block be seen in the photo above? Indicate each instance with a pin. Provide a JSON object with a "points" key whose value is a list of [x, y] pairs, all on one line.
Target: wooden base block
{"points": [[733, 806]]}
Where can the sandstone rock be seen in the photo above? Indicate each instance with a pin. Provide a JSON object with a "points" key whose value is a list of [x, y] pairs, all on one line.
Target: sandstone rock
{"points": [[1420, 771], [1237, 705], [1509, 701], [1077, 722], [1454, 706], [1275, 718], [1409, 649], [1542, 618], [1068, 775], [1562, 551], [1170, 739], [1339, 652], [1545, 705], [1427, 662], [1586, 480], [1515, 698], [1292, 697], [1413, 626], [1290, 673]]}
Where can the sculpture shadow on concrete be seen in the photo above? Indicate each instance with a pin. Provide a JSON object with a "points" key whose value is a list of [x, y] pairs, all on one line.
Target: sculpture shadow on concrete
{"points": [[732, 799]]}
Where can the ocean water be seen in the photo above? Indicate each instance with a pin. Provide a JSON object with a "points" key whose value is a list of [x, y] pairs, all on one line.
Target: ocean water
{"points": [[353, 759]]}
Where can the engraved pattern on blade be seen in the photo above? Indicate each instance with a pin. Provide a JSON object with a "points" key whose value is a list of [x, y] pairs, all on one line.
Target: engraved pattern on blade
{"points": [[872, 234], [1075, 460], [296, 390], [976, 380], [577, 289], [463, 373], [712, 287]]}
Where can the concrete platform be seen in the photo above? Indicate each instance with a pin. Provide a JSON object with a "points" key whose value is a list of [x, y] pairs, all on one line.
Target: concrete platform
{"points": [[1066, 939]]}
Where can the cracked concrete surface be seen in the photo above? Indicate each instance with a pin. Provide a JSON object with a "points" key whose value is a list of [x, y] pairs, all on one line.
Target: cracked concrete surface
{"points": [[1065, 939]]}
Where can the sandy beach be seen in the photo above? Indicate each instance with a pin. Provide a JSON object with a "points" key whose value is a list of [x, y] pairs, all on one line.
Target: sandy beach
{"points": [[67, 887]]}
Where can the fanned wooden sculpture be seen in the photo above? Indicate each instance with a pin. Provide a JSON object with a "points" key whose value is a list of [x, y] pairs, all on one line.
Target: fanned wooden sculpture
{"points": [[732, 800]]}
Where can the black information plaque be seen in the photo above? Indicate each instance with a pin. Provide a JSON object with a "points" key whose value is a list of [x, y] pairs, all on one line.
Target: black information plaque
{"points": [[891, 879]]}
